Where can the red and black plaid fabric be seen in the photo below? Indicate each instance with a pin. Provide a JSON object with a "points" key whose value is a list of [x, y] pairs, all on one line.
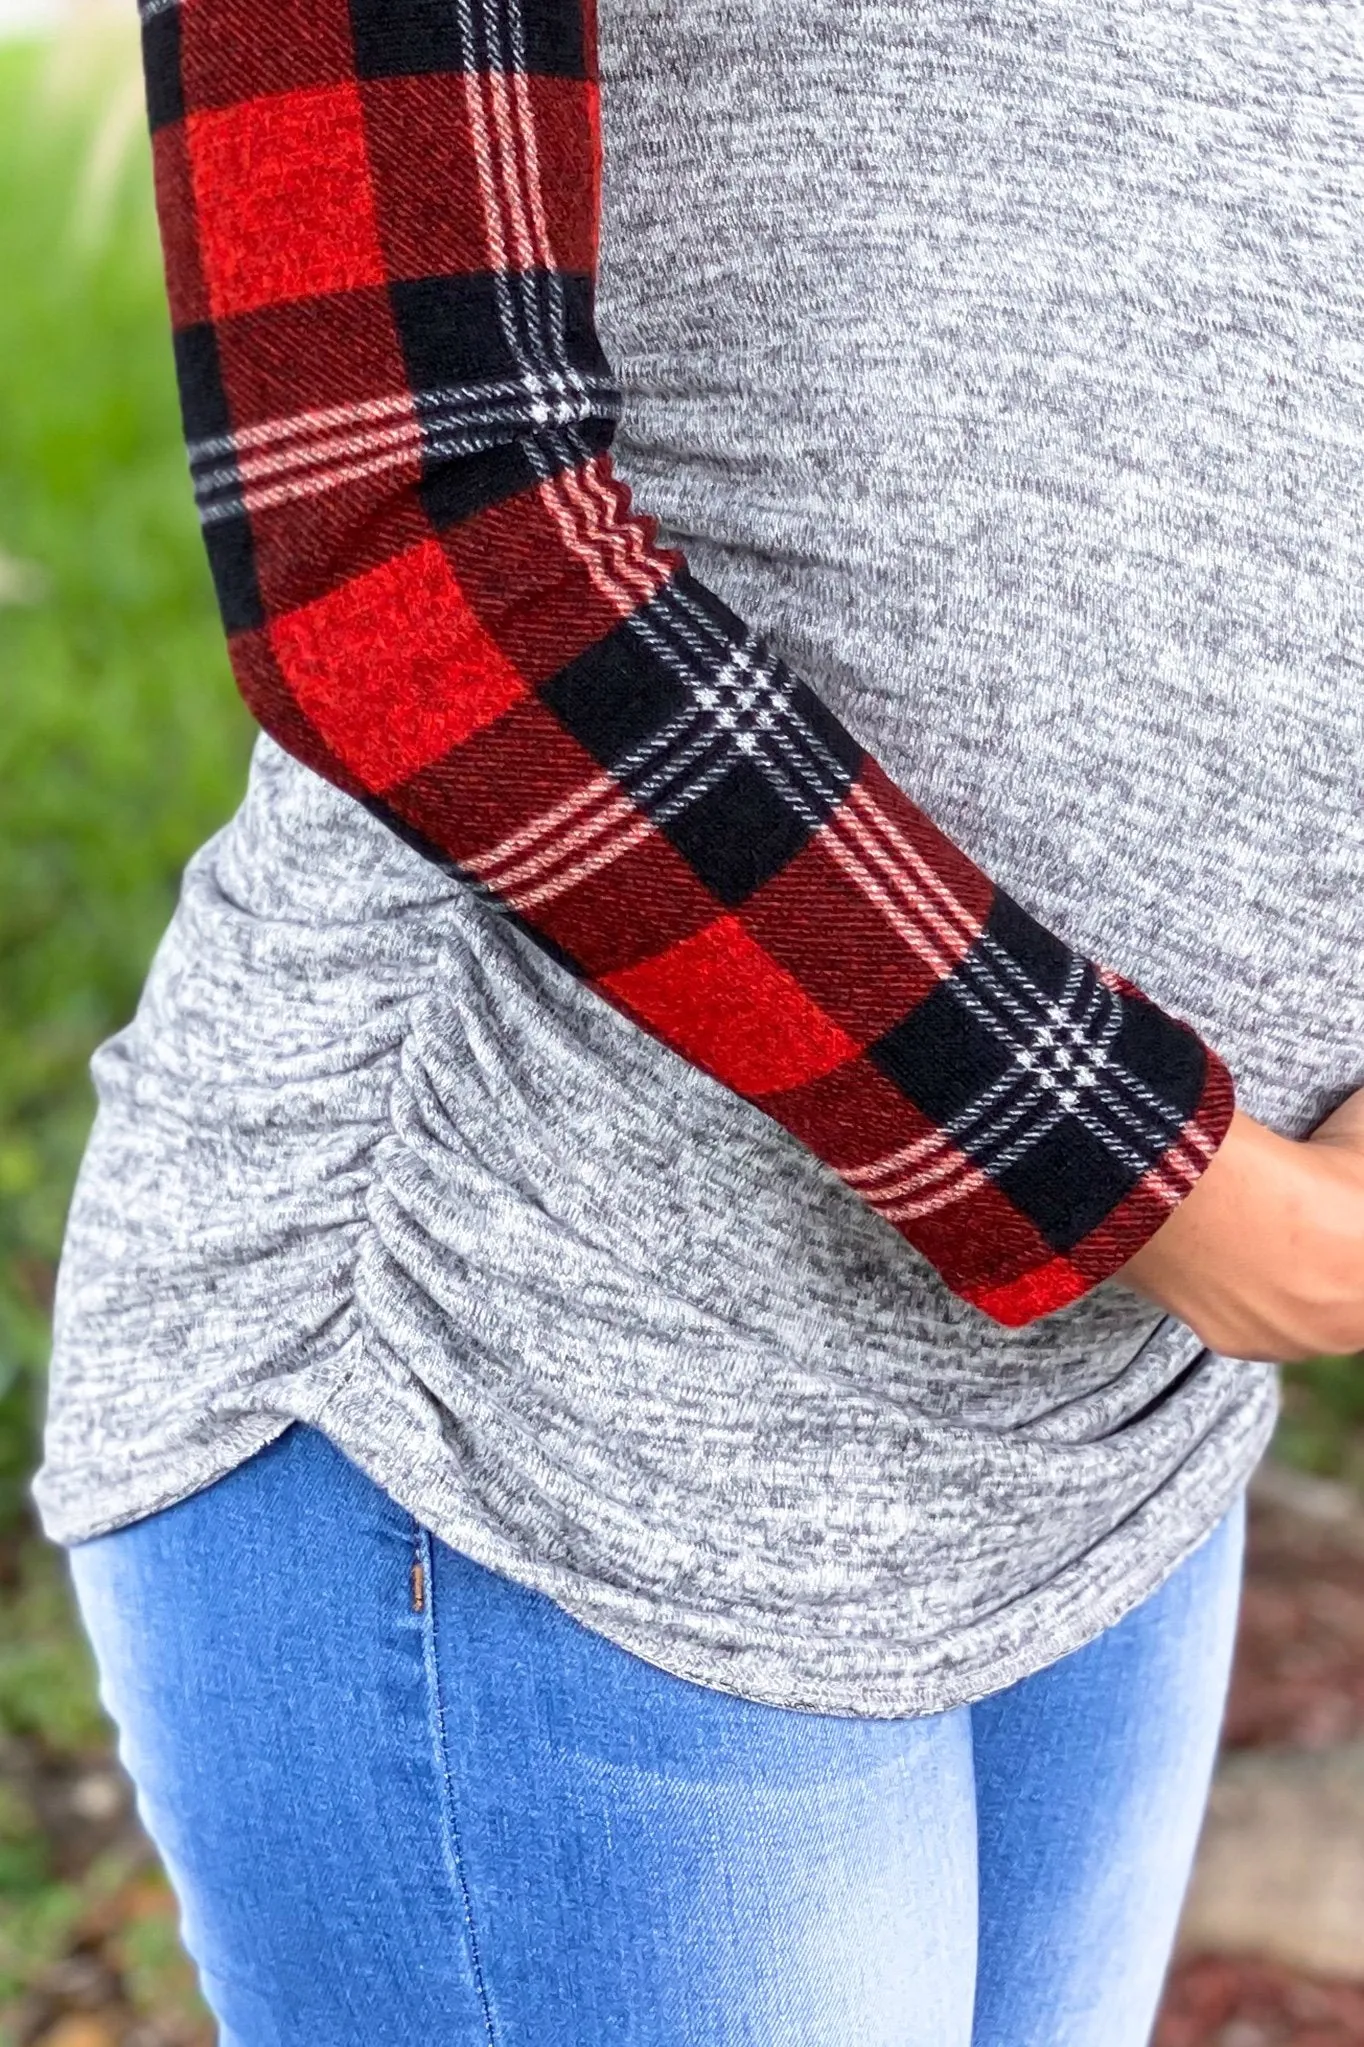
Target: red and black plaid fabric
{"points": [[380, 222]]}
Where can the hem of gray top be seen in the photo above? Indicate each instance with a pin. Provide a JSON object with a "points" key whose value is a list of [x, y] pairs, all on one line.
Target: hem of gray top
{"points": [[852, 1679]]}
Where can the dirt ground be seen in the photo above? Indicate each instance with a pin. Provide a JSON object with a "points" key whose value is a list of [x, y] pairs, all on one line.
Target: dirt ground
{"points": [[1216, 2002], [1299, 1684]]}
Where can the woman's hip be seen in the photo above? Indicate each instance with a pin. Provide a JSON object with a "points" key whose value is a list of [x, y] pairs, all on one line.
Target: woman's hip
{"points": [[402, 1797]]}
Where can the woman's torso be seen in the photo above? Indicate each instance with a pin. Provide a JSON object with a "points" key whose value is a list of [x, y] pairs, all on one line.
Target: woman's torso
{"points": [[1007, 364]]}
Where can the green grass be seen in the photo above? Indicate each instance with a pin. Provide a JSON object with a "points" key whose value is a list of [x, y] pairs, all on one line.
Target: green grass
{"points": [[122, 742], [46, 1695], [1322, 1429], [122, 745]]}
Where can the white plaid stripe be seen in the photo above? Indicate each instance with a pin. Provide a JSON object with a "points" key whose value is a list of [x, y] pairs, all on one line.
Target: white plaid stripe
{"points": [[1063, 1052], [610, 827], [996, 989], [284, 460]]}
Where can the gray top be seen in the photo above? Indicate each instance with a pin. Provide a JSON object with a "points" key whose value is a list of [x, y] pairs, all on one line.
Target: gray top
{"points": [[1006, 364]]}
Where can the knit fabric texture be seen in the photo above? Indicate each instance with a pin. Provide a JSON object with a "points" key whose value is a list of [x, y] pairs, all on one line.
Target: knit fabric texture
{"points": [[380, 221], [1006, 364]]}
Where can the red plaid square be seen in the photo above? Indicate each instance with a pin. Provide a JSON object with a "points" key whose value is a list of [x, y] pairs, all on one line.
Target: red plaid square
{"points": [[722, 1002], [315, 356], [260, 168], [430, 228], [494, 790], [543, 600], [851, 1116], [306, 546], [1041, 1291], [631, 905], [393, 667], [427, 226], [846, 897], [225, 58], [269, 700], [176, 212]]}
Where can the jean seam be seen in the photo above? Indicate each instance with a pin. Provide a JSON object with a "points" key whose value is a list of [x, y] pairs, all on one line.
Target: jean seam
{"points": [[454, 1854]]}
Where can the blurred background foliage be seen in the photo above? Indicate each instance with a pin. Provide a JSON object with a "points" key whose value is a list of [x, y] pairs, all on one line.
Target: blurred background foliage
{"points": [[122, 742], [122, 745]]}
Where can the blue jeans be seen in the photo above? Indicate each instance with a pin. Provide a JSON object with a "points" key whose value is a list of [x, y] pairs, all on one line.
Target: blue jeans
{"points": [[454, 1817]]}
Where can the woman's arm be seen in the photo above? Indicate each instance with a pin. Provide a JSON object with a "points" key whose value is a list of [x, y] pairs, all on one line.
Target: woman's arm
{"points": [[1266, 1259], [380, 225]]}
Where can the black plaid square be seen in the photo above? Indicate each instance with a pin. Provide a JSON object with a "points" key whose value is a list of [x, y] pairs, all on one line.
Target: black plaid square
{"points": [[616, 699], [161, 63], [1066, 1179], [437, 35], [217, 477]]}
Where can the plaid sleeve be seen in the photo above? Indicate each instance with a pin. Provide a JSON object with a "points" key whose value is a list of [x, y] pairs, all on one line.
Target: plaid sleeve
{"points": [[380, 220]]}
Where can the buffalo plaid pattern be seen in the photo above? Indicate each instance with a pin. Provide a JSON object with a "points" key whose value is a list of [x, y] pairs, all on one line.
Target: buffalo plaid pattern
{"points": [[380, 220]]}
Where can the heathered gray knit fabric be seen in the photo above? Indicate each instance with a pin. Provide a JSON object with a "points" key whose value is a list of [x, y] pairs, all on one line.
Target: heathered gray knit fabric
{"points": [[1006, 362]]}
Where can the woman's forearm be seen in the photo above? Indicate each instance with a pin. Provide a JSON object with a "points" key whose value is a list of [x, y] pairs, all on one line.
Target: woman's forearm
{"points": [[380, 227]]}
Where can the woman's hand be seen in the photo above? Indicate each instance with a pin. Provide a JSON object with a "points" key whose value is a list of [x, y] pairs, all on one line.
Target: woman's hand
{"points": [[1265, 1258]]}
